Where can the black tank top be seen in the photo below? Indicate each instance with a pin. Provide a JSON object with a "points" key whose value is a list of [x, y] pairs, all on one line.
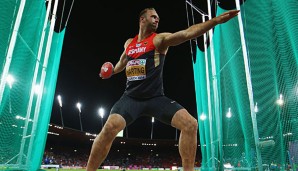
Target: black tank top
{"points": [[144, 69]]}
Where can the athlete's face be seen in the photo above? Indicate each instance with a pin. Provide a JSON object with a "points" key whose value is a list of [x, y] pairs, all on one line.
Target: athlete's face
{"points": [[151, 20]]}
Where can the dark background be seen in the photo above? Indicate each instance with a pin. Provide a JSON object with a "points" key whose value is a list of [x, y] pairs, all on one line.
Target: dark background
{"points": [[95, 33]]}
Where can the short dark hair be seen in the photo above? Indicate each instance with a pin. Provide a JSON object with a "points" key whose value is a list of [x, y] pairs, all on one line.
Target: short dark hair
{"points": [[144, 11]]}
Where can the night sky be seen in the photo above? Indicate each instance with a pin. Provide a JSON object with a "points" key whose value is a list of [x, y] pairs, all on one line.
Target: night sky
{"points": [[95, 33]]}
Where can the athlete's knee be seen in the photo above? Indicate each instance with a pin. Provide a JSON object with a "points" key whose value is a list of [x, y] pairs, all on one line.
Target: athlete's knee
{"points": [[191, 126], [184, 121], [114, 124]]}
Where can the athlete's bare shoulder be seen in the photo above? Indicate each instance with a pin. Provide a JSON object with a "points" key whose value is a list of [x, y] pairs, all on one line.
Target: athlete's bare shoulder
{"points": [[159, 42], [128, 41]]}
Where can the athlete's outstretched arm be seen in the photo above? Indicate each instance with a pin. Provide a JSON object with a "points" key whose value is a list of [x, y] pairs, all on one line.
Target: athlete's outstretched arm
{"points": [[196, 30]]}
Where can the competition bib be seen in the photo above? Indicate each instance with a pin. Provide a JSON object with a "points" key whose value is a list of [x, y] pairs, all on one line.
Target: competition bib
{"points": [[136, 69]]}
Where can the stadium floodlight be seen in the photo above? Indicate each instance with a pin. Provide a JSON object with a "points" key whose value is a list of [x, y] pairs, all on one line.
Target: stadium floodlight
{"points": [[280, 101], [203, 116], [79, 105], [37, 89], [59, 100], [256, 109], [152, 121], [10, 80], [229, 114], [60, 104], [101, 112]]}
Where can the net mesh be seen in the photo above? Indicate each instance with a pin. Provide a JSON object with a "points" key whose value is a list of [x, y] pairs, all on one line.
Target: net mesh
{"points": [[24, 113], [239, 127]]}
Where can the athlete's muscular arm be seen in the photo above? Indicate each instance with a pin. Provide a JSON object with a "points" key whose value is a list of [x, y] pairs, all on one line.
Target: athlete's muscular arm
{"points": [[120, 66], [164, 40]]}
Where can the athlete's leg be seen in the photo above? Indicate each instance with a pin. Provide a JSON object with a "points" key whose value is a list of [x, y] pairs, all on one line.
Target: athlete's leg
{"points": [[188, 126], [102, 143]]}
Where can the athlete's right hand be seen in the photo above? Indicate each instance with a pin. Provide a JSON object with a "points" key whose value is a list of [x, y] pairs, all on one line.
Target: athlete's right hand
{"points": [[107, 70]]}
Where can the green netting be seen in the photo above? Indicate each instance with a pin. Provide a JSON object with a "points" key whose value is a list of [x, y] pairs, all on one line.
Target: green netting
{"points": [[251, 129], [24, 113]]}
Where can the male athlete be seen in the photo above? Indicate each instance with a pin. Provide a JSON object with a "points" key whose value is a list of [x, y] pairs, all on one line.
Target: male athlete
{"points": [[143, 59]]}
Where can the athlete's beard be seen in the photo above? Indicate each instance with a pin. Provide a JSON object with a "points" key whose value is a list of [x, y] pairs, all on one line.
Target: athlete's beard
{"points": [[150, 27], [153, 27]]}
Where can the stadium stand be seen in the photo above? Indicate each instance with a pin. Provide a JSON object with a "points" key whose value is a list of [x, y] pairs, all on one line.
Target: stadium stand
{"points": [[70, 148]]}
